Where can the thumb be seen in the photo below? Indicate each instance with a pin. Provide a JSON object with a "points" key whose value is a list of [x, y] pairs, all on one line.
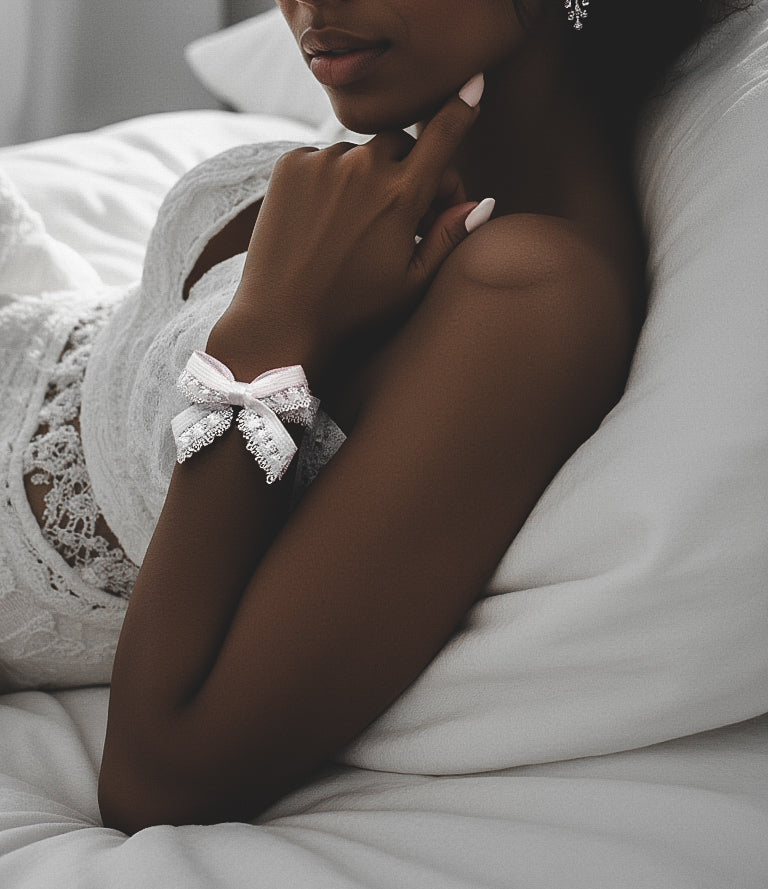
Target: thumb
{"points": [[447, 232]]}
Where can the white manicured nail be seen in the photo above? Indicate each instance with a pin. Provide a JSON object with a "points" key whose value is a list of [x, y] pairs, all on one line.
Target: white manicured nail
{"points": [[480, 215], [472, 90]]}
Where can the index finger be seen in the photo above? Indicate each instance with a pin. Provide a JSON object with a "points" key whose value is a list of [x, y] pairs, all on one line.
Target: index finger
{"points": [[441, 137]]}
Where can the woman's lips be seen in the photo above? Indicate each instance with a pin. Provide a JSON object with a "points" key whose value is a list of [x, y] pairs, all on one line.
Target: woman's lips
{"points": [[341, 69]]}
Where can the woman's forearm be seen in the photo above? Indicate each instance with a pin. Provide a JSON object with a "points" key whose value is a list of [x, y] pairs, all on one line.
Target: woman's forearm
{"points": [[216, 523], [218, 520]]}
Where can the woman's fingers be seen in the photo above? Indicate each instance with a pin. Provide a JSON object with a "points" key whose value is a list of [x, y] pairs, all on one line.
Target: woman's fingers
{"points": [[451, 189], [437, 145], [447, 232], [450, 192], [391, 145]]}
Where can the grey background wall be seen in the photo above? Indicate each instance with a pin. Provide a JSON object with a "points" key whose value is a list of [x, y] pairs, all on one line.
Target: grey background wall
{"points": [[237, 10], [74, 65]]}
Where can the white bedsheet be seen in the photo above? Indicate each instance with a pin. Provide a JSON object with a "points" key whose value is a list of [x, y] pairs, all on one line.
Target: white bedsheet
{"points": [[99, 192], [687, 814]]}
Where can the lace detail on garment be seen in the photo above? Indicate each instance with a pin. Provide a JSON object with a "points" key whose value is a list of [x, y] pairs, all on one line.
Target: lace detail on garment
{"points": [[318, 446], [54, 457]]}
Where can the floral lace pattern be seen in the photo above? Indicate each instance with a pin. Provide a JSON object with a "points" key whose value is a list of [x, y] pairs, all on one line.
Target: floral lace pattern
{"points": [[318, 446], [54, 457]]}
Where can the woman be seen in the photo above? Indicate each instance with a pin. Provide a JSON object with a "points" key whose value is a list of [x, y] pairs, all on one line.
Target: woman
{"points": [[465, 359]]}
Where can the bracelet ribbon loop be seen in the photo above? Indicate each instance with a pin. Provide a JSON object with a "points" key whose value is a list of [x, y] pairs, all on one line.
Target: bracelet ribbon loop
{"points": [[274, 397]]}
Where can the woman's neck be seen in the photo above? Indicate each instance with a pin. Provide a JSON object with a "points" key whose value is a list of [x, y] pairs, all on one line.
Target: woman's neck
{"points": [[538, 146]]}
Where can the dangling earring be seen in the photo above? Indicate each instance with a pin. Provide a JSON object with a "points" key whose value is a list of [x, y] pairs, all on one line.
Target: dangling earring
{"points": [[577, 10]]}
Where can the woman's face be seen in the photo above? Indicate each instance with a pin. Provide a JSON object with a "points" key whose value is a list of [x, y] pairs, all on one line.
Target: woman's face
{"points": [[390, 63]]}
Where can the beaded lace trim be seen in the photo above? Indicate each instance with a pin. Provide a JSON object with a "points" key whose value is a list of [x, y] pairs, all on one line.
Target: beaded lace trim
{"points": [[54, 457], [274, 396]]}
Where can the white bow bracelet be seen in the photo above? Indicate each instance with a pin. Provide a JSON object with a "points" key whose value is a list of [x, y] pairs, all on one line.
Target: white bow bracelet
{"points": [[213, 393]]}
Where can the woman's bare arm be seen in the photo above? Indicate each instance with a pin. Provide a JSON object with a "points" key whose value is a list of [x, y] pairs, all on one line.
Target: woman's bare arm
{"points": [[251, 654]]}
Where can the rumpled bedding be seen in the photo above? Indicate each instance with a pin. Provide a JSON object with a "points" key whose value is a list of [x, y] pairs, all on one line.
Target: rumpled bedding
{"points": [[98, 193], [688, 814]]}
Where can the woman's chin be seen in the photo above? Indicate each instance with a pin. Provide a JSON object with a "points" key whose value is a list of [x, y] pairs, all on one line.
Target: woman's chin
{"points": [[369, 125], [358, 118]]}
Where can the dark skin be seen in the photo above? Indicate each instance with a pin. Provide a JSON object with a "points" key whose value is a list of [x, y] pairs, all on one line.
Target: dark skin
{"points": [[255, 648]]}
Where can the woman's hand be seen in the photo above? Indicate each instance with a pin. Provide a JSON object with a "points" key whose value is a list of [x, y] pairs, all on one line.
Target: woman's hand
{"points": [[333, 251]]}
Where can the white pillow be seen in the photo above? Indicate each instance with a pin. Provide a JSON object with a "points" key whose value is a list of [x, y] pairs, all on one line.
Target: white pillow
{"points": [[256, 66], [633, 605], [99, 192]]}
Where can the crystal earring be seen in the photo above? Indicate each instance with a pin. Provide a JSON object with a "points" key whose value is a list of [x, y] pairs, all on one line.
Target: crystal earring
{"points": [[577, 10]]}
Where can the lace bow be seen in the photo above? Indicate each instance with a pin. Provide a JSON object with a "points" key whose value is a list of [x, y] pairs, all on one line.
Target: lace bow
{"points": [[275, 396]]}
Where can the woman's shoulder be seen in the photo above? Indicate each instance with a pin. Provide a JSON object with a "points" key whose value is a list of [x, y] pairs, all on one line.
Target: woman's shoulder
{"points": [[552, 267], [542, 287], [537, 252]]}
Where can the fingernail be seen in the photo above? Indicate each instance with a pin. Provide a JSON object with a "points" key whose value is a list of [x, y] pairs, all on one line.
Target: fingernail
{"points": [[472, 90], [480, 215]]}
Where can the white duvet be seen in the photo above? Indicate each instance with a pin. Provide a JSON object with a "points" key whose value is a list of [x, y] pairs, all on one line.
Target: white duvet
{"points": [[98, 193], [630, 610], [689, 814]]}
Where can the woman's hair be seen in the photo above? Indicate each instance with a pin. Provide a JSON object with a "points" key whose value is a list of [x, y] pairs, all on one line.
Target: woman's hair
{"points": [[626, 47]]}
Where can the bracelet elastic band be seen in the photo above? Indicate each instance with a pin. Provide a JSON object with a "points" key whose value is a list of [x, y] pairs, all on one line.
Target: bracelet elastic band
{"points": [[274, 397]]}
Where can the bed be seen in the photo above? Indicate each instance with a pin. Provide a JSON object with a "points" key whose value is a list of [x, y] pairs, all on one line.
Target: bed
{"points": [[601, 718]]}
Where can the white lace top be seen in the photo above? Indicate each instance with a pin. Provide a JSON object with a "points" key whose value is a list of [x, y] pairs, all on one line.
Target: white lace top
{"points": [[113, 357], [54, 457]]}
